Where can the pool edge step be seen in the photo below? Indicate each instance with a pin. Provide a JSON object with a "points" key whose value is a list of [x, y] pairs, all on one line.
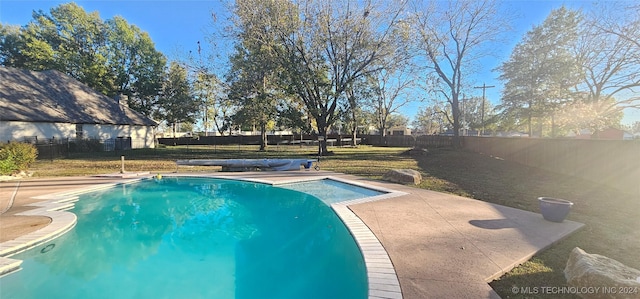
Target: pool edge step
{"points": [[9, 265]]}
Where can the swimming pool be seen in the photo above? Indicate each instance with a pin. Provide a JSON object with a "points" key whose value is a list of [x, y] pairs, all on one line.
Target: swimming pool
{"points": [[332, 191], [195, 238]]}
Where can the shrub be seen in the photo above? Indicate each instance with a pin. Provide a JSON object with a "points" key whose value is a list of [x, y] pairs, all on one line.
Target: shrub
{"points": [[7, 167], [16, 156]]}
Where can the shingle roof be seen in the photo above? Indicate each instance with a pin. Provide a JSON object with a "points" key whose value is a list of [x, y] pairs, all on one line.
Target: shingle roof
{"points": [[51, 96]]}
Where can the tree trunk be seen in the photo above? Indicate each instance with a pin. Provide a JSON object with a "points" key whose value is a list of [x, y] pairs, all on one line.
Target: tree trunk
{"points": [[263, 137], [322, 140], [456, 123], [529, 119], [354, 133], [382, 122], [383, 135], [354, 130]]}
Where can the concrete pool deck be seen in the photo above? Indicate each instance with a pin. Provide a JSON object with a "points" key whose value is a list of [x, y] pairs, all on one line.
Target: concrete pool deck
{"points": [[441, 245]]}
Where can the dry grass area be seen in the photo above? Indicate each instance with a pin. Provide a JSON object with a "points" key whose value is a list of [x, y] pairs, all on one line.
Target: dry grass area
{"points": [[611, 218]]}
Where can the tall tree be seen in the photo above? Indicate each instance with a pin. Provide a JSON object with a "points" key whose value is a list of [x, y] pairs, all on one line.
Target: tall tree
{"points": [[177, 104], [609, 53], [541, 73], [138, 67], [390, 93], [210, 90], [70, 40], [324, 46], [358, 94], [453, 36], [253, 77], [387, 89], [207, 88]]}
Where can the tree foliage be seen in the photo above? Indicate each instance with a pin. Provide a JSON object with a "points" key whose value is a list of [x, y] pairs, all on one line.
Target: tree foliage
{"points": [[390, 93], [429, 121], [586, 114], [72, 41], [609, 53], [471, 112], [293, 115], [253, 79], [216, 107], [138, 68], [541, 72], [635, 127], [453, 36], [391, 85], [574, 71], [177, 104], [359, 96], [323, 47]]}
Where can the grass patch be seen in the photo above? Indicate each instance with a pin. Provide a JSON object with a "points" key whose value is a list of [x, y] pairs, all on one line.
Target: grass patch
{"points": [[611, 217]]}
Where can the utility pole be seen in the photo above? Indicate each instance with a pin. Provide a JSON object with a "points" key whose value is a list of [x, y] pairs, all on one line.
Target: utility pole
{"points": [[484, 88], [464, 120]]}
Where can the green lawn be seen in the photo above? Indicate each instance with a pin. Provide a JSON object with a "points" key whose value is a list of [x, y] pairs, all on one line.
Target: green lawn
{"points": [[611, 218]]}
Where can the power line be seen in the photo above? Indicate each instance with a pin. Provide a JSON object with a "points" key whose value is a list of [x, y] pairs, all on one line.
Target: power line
{"points": [[484, 88]]}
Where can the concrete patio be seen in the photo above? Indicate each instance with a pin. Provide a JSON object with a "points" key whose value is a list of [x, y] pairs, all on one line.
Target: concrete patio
{"points": [[441, 245]]}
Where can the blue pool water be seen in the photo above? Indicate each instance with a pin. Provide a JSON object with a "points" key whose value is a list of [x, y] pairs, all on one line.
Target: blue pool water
{"points": [[332, 191], [195, 238]]}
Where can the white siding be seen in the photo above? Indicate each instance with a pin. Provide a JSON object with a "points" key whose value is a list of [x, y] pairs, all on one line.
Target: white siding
{"points": [[141, 136], [18, 130]]}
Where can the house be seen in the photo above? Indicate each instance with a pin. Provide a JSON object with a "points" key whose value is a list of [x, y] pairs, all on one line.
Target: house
{"points": [[49, 104], [580, 134], [612, 134], [606, 134], [398, 131]]}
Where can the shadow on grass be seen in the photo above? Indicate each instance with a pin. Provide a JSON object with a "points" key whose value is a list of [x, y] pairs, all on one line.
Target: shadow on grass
{"points": [[532, 284], [611, 218]]}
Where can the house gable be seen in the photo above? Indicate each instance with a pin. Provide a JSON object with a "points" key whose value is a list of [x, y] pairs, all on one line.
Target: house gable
{"points": [[51, 96]]}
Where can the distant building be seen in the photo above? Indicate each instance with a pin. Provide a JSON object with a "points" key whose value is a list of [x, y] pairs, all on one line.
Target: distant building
{"points": [[49, 104], [612, 134], [398, 131], [512, 134], [582, 134], [606, 134]]}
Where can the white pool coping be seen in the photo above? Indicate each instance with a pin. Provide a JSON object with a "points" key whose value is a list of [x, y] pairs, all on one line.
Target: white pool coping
{"points": [[381, 275]]}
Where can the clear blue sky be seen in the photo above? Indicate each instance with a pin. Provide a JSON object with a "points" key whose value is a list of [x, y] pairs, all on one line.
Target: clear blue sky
{"points": [[177, 26]]}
